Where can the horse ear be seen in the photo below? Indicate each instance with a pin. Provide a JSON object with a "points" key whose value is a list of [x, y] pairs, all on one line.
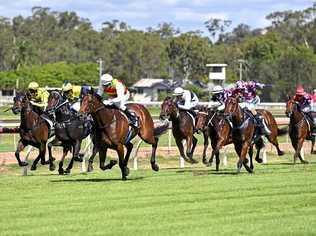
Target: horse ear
{"points": [[91, 91], [288, 97]]}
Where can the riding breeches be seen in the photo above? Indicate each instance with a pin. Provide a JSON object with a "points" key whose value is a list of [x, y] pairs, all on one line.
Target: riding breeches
{"points": [[75, 106]]}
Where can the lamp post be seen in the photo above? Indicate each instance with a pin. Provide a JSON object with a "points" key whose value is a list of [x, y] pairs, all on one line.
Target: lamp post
{"points": [[241, 62], [100, 61]]}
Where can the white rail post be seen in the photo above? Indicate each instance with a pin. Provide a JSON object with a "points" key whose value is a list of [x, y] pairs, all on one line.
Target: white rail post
{"points": [[302, 153], [25, 169], [181, 160], [135, 161], [225, 156], [264, 155], [169, 141]]}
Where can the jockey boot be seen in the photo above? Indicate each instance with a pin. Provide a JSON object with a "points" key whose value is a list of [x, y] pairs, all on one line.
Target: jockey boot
{"points": [[132, 118], [263, 128], [313, 128]]}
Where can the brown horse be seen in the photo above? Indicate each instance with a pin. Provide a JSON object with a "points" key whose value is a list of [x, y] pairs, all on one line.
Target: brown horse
{"points": [[182, 127], [298, 128], [34, 131], [220, 132], [113, 131]]}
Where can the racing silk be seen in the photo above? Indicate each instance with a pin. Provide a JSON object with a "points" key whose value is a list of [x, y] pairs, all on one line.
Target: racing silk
{"points": [[305, 102], [248, 91], [78, 92], [41, 99], [218, 100], [221, 97], [116, 89], [188, 100]]}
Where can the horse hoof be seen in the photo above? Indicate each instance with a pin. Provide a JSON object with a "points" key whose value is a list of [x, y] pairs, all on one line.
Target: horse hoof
{"points": [[193, 161], [259, 160], [209, 164], [23, 163], [67, 172], [45, 162], [78, 158], [113, 163], [61, 171], [126, 171], [90, 168], [305, 162], [155, 167], [33, 167], [52, 167], [205, 162], [281, 153], [124, 178]]}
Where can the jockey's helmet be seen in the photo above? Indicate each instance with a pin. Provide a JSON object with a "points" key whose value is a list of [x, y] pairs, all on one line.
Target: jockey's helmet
{"points": [[178, 91], [106, 79], [240, 84], [66, 87], [300, 91], [33, 87], [217, 89]]}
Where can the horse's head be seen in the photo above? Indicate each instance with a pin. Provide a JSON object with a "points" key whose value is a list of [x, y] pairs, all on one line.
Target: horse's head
{"points": [[231, 106], [201, 119], [168, 108], [54, 100], [290, 106], [18, 102]]}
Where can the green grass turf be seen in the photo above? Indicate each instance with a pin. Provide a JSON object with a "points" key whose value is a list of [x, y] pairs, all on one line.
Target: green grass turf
{"points": [[278, 199]]}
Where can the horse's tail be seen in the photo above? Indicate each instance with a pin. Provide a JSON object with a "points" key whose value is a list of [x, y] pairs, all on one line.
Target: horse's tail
{"points": [[282, 131], [159, 130]]}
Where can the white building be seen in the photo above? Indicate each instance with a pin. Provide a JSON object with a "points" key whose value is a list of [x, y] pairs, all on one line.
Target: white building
{"points": [[148, 89], [217, 74]]}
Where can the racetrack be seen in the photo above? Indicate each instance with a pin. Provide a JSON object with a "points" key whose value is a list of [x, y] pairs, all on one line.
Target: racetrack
{"points": [[279, 198]]}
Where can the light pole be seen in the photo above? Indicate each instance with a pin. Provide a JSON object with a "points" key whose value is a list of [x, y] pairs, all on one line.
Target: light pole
{"points": [[100, 61], [241, 62]]}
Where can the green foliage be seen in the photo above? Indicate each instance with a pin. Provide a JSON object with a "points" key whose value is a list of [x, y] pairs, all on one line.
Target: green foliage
{"points": [[52, 47]]}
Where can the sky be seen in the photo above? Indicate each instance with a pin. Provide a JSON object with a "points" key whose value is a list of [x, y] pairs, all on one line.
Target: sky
{"points": [[140, 14]]}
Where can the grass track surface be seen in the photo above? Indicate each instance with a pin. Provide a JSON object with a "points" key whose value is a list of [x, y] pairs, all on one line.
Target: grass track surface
{"points": [[278, 199]]}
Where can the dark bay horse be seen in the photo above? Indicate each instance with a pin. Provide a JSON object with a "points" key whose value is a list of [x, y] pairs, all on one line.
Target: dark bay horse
{"points": [[298, 128], [182, 128], [114, 132], [33, 130], [70, 130], [220, 132]]}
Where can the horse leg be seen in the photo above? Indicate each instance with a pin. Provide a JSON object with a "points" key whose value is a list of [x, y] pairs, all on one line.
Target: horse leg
{"points": [[61, 163], [129, 148], [259, 144], [181, 149], [218, 161], [250, 153], [191, 143], [55, 142], [274, 140], [313, 144], [91, 159], [75, 155], [120, 153], [298, 151], [205, 136], [154, 165], [20, 147], [39, 157]]}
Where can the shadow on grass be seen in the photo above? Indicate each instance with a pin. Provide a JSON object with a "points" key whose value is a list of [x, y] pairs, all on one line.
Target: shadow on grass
{"points": [[209, 172], [96, 180]]}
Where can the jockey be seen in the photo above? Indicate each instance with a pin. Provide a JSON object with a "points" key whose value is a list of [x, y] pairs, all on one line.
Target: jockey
{"points": [[118, 95], [250, 99], [185, 99], [39, 96], [74, 94], [305, 102], [219, 97]]}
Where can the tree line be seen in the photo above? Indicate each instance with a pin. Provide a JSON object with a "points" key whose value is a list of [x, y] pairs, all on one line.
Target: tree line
{"points": [[51, 47]]}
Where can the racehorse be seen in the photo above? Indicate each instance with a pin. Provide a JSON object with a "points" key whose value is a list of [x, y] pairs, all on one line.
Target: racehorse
{"points": [[113, 130], [34, 130], [182, 128], [298, 128], [70, 130], [220, 132]]}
